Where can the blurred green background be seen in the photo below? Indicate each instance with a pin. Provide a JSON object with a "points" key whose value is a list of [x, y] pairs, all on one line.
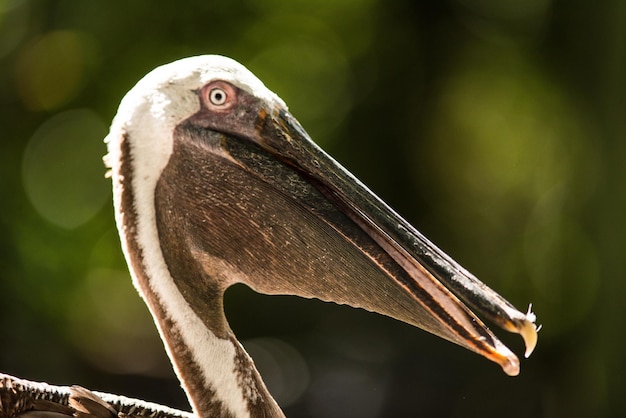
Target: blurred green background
{"points": [[497, 128]]}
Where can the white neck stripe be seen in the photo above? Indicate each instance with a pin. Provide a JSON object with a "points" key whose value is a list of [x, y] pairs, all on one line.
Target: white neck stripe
{"points": [[146, 118]]}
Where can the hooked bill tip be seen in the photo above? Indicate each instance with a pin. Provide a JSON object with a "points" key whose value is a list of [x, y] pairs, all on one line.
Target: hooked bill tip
{"points": [[523, 324], [528, 331]]}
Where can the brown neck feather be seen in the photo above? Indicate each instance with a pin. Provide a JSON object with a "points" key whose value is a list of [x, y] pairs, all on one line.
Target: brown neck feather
{"points": [[204, 296]]}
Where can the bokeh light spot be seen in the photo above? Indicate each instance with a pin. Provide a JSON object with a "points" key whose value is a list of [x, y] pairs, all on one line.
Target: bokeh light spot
{"points": [[13, 24], [563, 264], [346, 392], [309, 70], [505, 130], [112, 328], [51, 71], [62, 169], [510, 149], [283, 368]]}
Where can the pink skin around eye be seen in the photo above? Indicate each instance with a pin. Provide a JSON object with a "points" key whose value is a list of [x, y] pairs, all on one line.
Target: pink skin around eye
{"points": [[219, 96]]}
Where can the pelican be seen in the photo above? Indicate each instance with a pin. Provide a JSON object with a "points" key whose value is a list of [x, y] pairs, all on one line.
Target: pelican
{"points": [[216, 183]]}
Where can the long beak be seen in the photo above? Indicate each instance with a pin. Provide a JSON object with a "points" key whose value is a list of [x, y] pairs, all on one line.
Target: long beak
{"points": [[418, 283]]}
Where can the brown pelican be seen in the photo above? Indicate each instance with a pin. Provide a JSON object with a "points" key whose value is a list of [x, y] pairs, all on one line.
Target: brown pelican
{"points": [[216, 183]]}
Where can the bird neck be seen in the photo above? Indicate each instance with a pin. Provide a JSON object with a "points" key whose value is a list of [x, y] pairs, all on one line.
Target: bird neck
{"points": [[219, 377]]}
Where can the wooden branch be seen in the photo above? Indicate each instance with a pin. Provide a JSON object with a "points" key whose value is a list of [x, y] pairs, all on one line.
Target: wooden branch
{"points": [[26, 399]]}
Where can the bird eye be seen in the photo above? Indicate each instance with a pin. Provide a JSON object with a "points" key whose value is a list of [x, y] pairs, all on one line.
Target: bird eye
{"points": [[217, 96]]}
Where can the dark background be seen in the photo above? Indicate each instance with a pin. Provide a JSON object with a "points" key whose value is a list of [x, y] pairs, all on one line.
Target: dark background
{"points": [[497, 128]]}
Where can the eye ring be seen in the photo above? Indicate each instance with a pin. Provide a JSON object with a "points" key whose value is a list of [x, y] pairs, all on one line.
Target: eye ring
{"points": [[218, 96]]}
